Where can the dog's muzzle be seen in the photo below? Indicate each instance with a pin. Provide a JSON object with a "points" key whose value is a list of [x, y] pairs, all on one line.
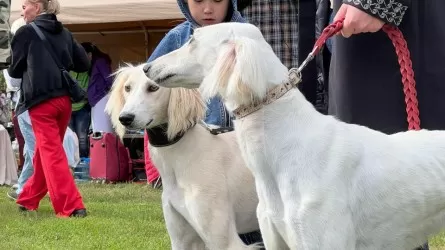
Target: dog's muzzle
{"points": [[146, 68], [126, 119]]}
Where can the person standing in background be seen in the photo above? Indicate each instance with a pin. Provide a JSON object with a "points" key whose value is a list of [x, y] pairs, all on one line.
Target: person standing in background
{"points": [[100, 82], [81, 116], [46, 96]]}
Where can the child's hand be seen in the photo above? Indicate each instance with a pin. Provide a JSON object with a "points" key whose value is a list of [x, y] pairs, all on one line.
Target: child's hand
{"points": [[357, 21]]}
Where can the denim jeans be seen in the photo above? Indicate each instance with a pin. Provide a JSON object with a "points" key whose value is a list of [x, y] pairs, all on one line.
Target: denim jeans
{"points": [[217, 113], [28, 149], [80, 124]]}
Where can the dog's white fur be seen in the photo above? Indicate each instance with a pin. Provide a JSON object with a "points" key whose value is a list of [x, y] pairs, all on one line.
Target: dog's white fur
{"points": [[208, 194], [322, 183]]}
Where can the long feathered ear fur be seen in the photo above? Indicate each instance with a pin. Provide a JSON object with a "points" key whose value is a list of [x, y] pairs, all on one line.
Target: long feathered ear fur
{"points": [[240, 71], [185, 109], [116, 101]]}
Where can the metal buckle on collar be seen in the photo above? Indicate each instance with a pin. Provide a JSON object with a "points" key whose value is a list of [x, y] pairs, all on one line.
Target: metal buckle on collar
{"points": [[216, 130], [303, 65], [294, 77]]}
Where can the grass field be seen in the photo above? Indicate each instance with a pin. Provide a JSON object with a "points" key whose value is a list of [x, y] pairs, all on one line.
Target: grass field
{"points": [[123, 216]]}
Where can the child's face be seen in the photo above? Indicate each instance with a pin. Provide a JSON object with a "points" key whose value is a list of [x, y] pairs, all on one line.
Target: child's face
{"points": [[207, 12]]}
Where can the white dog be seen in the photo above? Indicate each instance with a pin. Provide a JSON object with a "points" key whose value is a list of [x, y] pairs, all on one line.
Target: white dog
{"points": [[209, 194], [322, 183]]}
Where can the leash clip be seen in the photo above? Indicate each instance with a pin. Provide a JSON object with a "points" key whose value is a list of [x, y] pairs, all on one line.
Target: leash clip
{"points": [[306, 61]]}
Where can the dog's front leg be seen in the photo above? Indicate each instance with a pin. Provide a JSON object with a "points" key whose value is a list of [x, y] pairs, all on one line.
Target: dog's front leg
{"points": [[182, 235], [215, 223], [311, 225], [271, 236]]}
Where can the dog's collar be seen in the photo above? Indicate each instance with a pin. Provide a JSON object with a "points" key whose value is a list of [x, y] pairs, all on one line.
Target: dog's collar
{"points": [[272, 95], [157, 136]]}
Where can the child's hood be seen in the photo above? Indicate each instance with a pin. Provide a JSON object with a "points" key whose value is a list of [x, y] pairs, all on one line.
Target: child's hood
{"points": [[236, 17]]}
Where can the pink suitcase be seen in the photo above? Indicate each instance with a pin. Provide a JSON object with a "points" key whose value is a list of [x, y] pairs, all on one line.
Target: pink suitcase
{"points": [[109, 158]]}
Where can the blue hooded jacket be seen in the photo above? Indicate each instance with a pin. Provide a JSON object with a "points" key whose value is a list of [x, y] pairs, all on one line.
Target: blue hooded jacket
{"points": [[175, 38]]}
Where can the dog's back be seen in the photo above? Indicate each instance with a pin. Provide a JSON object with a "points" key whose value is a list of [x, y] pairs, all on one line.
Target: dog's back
{"points": [[402, 190]]}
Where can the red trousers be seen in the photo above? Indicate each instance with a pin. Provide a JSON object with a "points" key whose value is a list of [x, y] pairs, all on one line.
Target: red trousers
{"points": [[150, 168], [51, 172]]}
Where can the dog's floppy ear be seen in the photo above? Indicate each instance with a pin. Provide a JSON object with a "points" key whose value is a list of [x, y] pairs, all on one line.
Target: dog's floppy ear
{"points": [[185, 109], [239, 71], [116, 101]]}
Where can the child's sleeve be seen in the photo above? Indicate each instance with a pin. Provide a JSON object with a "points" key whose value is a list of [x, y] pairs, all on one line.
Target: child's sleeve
{"points": [[170, 42]]}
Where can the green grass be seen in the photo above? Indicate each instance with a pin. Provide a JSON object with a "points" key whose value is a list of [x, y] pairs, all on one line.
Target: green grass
{"points": [[123, 216]]}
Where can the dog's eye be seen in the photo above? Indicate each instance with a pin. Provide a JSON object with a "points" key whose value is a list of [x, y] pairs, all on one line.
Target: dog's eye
{"points": [[152, 88], [127, 88]]}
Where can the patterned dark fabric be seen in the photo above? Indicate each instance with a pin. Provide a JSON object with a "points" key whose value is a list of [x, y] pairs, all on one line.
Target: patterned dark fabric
{"points": [[389, 11], [278, 20]]}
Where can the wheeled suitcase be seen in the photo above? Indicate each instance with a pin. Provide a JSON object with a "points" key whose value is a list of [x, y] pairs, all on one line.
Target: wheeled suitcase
{"points": [[135, 144], [109, 158]]}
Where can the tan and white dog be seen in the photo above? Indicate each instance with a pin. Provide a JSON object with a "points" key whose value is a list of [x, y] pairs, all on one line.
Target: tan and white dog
{"points": [[322, 183], [208, 194]]}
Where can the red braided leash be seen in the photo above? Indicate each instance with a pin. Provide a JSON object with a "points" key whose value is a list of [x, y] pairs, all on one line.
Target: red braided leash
{"points": [[406, 68]]}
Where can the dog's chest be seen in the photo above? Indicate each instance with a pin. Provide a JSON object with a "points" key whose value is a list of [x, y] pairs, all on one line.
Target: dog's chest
{"points": [[176, 198]]}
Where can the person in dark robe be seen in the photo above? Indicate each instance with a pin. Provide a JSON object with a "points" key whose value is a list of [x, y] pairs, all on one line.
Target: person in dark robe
{"points": [[365, 79]]}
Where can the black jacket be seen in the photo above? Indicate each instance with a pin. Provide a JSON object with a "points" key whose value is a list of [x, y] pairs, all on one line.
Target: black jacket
{"points": [[41, 78]]}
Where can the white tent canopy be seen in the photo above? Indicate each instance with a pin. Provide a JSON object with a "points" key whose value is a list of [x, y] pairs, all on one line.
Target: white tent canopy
{"points": [[110, 11], [127, 30]]}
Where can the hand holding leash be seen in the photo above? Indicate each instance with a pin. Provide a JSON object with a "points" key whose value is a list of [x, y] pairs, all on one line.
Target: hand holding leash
{"points": [[357, 21], [404, 58]]}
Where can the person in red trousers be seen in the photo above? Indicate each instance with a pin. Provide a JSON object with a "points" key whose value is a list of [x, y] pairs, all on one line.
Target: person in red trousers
{"points": [[46, 97]]}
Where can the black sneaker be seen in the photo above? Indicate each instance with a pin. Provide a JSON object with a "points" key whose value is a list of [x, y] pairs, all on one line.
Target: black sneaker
{"points": [[79, 213], [23, 209], [12, 194]]}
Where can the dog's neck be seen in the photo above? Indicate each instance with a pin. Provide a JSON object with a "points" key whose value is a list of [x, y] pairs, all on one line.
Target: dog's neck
{"points": [[157, 136], [273, 94], [269, 82]]}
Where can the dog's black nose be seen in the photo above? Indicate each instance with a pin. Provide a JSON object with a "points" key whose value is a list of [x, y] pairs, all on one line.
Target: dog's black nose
{"points": [[126, 119], [147, 68]]}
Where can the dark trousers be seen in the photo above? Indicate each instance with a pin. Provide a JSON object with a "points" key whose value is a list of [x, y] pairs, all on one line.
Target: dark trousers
{"points": [[80, 124]]}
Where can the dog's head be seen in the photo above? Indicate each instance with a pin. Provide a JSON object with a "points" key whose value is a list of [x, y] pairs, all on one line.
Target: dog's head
{"points": [[230, 59], [136, 102]]}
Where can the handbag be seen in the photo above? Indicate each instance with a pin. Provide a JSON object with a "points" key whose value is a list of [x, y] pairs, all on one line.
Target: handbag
{"points": [[77, 94]]}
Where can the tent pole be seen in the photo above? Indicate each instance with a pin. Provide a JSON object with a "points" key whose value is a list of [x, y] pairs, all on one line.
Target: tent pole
{"points": [[147, 37]]}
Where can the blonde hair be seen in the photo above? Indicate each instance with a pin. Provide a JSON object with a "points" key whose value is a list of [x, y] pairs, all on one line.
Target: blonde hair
{"points": [[17, 24], [48, 6]]}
